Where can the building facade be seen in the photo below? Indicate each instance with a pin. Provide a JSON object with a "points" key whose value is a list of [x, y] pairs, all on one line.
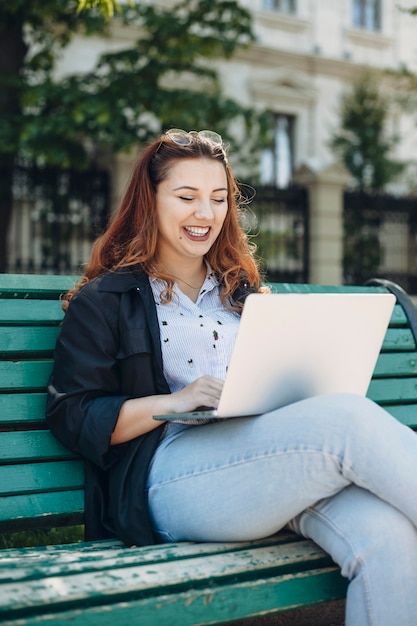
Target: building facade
{"points": [[307, 55]]}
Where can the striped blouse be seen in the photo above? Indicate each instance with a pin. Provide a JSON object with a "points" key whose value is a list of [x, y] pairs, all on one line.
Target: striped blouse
{"points": [[197, 338]]}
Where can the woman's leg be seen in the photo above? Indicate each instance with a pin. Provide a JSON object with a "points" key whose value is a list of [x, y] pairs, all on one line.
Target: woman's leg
{"points": [[376, 548], [246, 478]]}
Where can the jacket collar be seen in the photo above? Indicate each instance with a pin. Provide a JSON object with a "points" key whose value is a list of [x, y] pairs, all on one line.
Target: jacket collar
{"points": [[125, 279]]}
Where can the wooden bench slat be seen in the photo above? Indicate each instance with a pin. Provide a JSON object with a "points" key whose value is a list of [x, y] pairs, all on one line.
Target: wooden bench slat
{"points": [[41, 338], [218, 604], [28, 339], [222, 603], [36, 477], [31, 311], [396, 364], [27, 407], [90, 557], [17, 447], [35, 374], [393, 390], [17, 408], [29, 285], [315, 288], [398, 339], [25, 374], [404, 413], [41, 507]]}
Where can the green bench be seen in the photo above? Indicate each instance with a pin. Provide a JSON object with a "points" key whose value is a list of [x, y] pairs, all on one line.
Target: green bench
{"points": [[41, 486]]}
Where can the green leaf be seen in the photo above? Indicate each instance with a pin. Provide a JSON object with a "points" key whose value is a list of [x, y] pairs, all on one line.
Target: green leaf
{"points": [[361, 141]]}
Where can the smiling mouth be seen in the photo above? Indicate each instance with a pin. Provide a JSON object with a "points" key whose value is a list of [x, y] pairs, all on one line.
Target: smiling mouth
{"points": [[197, 231]]}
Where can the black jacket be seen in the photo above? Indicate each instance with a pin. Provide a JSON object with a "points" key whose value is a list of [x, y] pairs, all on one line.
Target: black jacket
{"points": [[109, 350]]}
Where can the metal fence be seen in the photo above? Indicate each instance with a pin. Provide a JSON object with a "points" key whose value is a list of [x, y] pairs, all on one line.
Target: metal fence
{"points": [[380, 239], [277, 220], [56, 216]]}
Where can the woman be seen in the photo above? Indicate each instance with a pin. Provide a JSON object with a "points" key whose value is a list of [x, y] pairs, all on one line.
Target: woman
{"points": [[150, 331]]}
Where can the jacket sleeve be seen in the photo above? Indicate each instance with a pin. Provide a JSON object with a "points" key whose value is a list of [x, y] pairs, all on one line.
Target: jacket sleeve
{"points": [[84, 391]]}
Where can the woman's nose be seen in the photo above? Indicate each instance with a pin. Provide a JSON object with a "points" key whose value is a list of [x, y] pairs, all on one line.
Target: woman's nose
{"points": [[204, 210]]}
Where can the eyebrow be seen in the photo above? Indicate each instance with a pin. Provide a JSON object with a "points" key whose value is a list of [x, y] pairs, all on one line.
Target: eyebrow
{"points": [[196, 188]]}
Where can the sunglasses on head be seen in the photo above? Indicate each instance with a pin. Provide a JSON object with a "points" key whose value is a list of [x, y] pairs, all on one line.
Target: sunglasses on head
{"points": [[182, 138]]}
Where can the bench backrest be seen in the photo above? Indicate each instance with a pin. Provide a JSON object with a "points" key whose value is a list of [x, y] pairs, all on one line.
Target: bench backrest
{"points": [[41, 483]]}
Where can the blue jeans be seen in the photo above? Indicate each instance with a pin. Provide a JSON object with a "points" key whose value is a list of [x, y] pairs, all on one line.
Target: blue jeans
{"points": [[337, 469]]}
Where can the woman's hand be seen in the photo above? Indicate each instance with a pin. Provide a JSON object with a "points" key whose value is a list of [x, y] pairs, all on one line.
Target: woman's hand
{"points": [[135, 417], [203, 392]]}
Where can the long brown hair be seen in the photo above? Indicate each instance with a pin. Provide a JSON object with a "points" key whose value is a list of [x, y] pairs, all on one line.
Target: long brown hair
{"points": [[132, 236]]}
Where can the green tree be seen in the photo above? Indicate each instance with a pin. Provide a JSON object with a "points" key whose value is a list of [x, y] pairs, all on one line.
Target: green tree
{"points": [[363, 145], [167, 77], [106, 7], [362, 141]]}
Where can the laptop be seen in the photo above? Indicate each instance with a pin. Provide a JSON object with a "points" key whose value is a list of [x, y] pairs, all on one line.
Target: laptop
{"points": [[293, 346]]}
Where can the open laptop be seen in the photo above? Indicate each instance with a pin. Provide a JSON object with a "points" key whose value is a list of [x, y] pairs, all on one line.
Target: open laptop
{"points": [[294, 346]]}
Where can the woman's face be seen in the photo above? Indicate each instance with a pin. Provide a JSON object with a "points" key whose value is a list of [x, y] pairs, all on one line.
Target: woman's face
{"points": [[191, 205]]}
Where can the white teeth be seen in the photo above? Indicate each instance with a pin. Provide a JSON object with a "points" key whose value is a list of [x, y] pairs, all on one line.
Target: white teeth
{"points": [[195, 231]]}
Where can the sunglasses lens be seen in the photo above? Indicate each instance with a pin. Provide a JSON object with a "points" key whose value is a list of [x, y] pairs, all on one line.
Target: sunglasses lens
{"points": [[211, 135], [179, 137]]}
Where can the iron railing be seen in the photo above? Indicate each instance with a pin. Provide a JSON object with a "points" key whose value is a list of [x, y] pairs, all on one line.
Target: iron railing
{"points": [[277, 221], [380, 239], [56, 216]]}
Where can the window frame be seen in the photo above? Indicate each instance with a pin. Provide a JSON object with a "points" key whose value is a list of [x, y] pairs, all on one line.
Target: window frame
{"points": [[289, 7], [272, 152], [361, 16]]}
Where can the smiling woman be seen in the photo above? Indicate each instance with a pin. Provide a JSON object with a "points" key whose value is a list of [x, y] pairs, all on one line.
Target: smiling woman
{"points": [[151, 331]]}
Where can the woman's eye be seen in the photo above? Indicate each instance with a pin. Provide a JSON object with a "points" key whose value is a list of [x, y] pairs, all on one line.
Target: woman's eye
{"points": [[191, 198]]}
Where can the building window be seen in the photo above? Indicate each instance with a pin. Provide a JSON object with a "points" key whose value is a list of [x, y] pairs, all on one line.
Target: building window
{"points": [[277, 161], [284, 6], [367, 14]]}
